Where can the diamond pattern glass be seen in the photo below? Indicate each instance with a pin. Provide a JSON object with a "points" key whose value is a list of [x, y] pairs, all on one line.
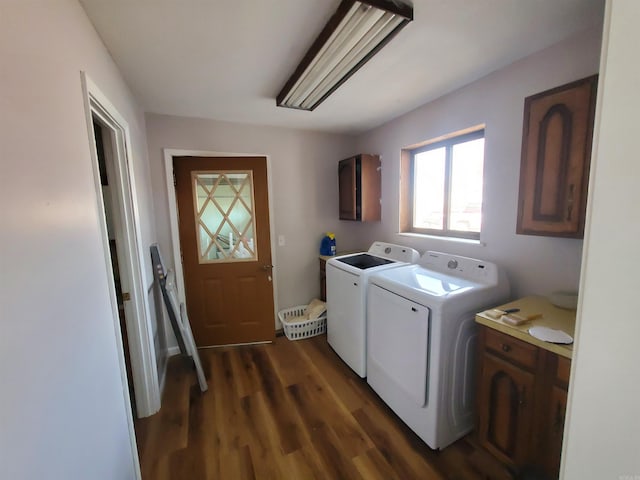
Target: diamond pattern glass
{"points": [[224, 212]]}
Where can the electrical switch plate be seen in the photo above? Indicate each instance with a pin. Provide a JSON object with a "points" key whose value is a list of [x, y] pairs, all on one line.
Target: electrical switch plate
{"points": [[281, 241]]}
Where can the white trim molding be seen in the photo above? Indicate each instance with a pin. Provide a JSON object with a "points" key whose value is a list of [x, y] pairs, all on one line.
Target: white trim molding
{"points": [[139, 330]]}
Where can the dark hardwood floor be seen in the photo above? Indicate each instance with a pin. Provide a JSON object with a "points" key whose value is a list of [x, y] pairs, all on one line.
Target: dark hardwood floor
{"points": [[287, 410]]}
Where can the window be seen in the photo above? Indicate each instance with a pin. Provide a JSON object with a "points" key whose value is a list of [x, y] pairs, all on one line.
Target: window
{"points": [[442, 186]]}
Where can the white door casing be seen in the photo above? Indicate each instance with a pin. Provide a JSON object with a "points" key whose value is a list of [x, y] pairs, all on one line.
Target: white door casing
{"points": [[137, 311]]}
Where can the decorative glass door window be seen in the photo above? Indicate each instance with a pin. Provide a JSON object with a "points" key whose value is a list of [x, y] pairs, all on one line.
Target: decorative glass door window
{"points": [[224, 214]]}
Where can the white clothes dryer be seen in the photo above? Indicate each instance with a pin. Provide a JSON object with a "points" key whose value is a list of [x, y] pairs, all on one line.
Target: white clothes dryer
{"points": [[421, 340], [347, 278]]}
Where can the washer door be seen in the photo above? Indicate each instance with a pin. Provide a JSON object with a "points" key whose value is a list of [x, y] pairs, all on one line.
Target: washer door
{"points": [[398, 342]]}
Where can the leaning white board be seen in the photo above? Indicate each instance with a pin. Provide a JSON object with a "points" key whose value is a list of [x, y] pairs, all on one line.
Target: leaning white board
{"points": [[185, 327], [177, 314]]}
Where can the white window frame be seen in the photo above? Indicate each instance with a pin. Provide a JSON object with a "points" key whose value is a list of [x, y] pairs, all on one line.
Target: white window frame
{"points": [[408, 185]]}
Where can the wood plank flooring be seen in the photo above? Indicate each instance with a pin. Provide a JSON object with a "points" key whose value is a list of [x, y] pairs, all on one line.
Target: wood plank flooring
{"points": [[287, 410]]}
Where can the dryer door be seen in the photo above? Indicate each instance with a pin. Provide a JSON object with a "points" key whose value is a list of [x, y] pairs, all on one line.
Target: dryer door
{"points": [[398, 343]]}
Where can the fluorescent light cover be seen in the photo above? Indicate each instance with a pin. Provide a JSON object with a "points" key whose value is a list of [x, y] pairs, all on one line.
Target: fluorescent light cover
{"points": [[354, 34]]}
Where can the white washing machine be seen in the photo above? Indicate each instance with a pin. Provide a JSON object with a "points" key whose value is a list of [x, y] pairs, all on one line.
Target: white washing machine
{"points": [[347, 278], [421, 340]]}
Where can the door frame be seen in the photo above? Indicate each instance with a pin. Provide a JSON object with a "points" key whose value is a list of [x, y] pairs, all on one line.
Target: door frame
{"points": [[169, 154], [140, 332]]}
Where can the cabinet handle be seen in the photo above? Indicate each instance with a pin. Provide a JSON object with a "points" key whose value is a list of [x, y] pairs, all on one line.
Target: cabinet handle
{"points": [[522, 400], [506, 348], [570, 202]]}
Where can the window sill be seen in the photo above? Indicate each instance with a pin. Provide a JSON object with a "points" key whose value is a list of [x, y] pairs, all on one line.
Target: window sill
{"points": [[443, 238]]}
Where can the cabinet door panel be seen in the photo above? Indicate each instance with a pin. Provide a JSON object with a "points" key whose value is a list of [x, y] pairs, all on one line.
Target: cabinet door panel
{"points": [[556, 152], [555, 429], [370, 188], [505, 405], [563, 370], [359, 180], [347, 189]]}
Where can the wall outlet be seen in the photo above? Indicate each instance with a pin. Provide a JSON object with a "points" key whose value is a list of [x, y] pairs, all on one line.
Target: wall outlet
{"points": [[281, 241]]}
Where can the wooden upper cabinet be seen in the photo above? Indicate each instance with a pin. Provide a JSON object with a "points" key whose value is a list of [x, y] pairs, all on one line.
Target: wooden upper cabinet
{"points": [[556, 153], [359, 183]]}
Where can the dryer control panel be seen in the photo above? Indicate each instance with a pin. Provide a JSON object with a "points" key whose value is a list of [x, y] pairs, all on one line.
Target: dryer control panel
{"points": [[463, 267]]}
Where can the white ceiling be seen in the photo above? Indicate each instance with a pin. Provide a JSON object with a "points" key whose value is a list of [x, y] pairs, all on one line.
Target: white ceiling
{"points": [[228, 59]]}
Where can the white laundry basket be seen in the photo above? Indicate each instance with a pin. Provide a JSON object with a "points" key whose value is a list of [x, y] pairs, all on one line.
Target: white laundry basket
{"points": [[297, 330]]}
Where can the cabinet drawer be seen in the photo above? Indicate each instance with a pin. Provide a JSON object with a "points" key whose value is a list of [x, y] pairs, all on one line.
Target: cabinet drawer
{"points": [[511, 348]]}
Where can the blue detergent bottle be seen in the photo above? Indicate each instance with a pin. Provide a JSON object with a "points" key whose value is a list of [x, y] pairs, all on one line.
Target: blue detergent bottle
{"points": [[328, 244]]}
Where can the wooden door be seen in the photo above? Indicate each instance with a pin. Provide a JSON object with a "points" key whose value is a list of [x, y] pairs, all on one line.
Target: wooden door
{"points": [[223, 210], [505, 410]]}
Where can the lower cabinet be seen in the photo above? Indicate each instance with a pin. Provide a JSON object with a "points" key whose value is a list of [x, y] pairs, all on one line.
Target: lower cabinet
{"points": [[505, 427], [554, 421], [555, 424], [521, 402], [323, 279]]}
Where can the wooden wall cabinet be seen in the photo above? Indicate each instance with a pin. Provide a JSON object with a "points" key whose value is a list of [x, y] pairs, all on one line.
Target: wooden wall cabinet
{"points": [[556, 153], [359, 185], [521, 401]]}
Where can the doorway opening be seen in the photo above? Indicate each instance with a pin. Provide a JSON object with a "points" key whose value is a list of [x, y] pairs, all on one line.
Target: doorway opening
{"points": [[130, 285], [103, 141]]}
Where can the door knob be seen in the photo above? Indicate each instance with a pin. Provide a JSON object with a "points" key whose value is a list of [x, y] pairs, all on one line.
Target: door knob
{"points": [[267, 267]]}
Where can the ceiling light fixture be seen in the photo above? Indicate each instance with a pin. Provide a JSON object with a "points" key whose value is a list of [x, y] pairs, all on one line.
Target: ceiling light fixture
{"points": [[356, 32]]}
